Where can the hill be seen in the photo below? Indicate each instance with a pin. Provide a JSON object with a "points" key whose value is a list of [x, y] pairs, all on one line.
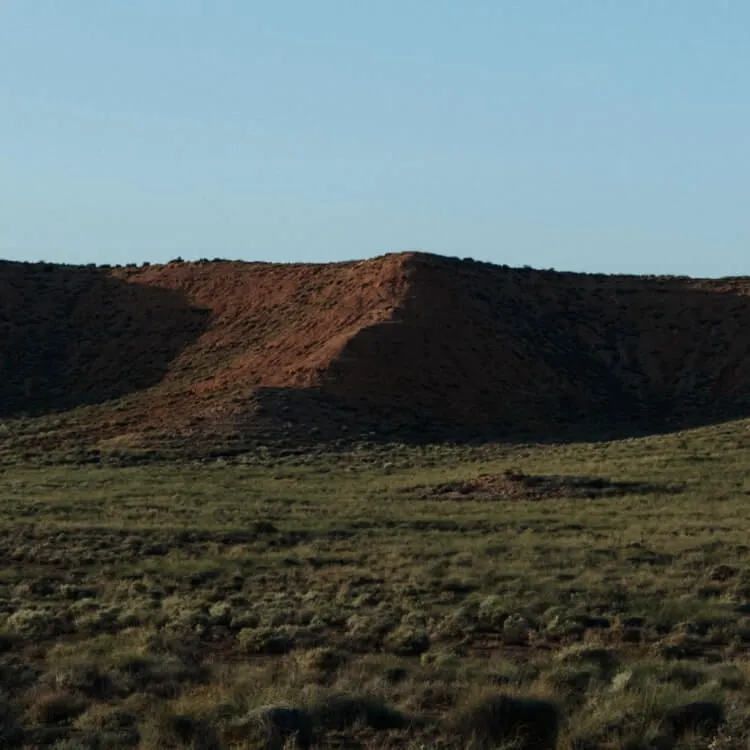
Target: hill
{"points": [[215, 356]]}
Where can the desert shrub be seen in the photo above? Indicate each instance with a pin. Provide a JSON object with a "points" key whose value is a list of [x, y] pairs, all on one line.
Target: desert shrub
{"points": [[85, 679], [444, 660], [431, 697], [728, 677], [220, 614], [457, 624], [266, 640], [516, 630], [559, 623], [603, 658], [165, 730], [49, 706], [244, 618], [130, 618], [680, 646], [101, 717], [573, 681], [187, 620], [366, 632], [495, 720], [322, 661], [99, 620], [682, 673], [74, 593], [163, 675], [407, 641], [17, 674], [699, 717], [492, 613], [273, 728], [343, 711], [37, 623]]}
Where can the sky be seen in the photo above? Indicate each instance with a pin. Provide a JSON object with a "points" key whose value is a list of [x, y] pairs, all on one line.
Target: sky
{"points": [[582, 135]]}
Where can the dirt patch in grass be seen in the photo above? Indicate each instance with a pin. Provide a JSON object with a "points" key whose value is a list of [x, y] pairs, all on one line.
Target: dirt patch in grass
{"points": [[514, 485]]}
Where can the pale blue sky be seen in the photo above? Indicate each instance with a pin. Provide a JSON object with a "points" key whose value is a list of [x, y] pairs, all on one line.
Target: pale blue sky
{"points": [[597, 135]]}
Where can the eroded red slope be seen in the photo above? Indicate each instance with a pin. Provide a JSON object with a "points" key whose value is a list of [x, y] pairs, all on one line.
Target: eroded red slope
{"points": [[491, 348], [205, 354], [183, 346]]}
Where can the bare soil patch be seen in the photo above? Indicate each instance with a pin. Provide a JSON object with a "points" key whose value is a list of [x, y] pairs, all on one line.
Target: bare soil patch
{"points": [[513, 485]]}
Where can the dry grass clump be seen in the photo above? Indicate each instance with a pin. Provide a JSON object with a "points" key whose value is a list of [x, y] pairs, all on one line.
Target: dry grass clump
{"points": [[166, 730], [602, 659], [490, 721], [273, 728], [266, 640], [48, 706], [339, 712], [321, 664]]}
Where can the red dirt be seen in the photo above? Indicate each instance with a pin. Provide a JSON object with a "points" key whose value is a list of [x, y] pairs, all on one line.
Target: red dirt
{"points": [[204, 354]]}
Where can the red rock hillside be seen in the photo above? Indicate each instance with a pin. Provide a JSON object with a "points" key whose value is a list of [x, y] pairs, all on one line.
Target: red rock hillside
{"points": [[224, 355]]}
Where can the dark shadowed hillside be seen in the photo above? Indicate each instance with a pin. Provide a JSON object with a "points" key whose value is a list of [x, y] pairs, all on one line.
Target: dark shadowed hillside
{"points": [[80, 335], [204, 356], [499, 349]]}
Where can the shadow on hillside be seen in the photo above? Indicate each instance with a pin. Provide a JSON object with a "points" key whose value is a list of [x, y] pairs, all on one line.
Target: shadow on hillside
{"points": [[72, 336], [300, 419], [485, 353], [491, 354]]}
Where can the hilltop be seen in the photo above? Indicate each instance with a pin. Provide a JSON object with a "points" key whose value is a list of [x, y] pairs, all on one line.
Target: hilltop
{"points": [[213, 356]]}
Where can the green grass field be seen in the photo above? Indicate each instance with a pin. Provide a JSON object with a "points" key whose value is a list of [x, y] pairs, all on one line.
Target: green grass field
{"points": [[157, 606]]}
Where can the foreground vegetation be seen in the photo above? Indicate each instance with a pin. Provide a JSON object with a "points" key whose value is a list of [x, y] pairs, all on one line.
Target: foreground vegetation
{"points": [[387, 594]]}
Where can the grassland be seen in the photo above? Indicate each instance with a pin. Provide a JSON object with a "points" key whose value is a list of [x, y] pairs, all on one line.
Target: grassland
{"points": [[158, 606]]}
